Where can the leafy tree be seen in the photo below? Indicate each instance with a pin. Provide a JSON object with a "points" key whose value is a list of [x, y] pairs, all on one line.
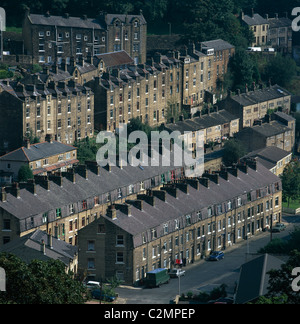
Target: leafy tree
{"points": [[244, 70], [25, 173], [87, 149], [39, 282], [283, 246], [233, 151], [280, 70], [280, 280], [291, 181]]}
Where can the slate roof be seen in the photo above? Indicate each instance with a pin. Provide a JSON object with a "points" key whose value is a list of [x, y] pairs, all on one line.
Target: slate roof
{"points": [[29, 205], [28, 248], [270, 129], [255, 20], [150, 217], [115, 59], [22, 91], [260, 95], [110, 18], [279, 22], [268, 156], [62, 21], [199, 123], [217, 44], [80, 22], [37, 151], [253, 280]]}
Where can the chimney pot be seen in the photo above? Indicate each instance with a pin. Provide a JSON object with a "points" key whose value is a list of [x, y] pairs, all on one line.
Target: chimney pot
{"points": [[50, 241]]}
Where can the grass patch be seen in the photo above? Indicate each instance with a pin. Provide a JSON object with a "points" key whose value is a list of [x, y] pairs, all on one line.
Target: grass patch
{"points": [[14, 29], [294, 204]]}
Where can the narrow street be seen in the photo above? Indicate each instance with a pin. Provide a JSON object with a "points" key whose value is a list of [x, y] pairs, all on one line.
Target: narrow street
{"points": [[203, 275]]}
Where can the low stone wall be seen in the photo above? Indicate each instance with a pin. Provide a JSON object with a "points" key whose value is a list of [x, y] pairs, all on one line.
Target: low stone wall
{"points": [[291, 210]]}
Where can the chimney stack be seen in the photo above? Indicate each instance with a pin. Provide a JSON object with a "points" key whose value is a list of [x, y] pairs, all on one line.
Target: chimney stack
{"points": [[136, 203], [29, 185], [3, 194], [93, 166], [43, 181], [204, 182], [43, 247], [15, 191], [50, 241], [124, 208], [27, 143], [70, 175], [56, 178], [82, 171], [193, 183], [49, 138], [160, 194], [112, 212]]}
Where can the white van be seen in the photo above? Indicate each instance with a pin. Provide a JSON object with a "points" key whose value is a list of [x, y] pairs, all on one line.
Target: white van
{"points": [[254, 49]]}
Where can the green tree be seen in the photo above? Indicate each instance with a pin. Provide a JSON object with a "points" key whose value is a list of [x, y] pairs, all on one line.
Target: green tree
{"points": [[25, 173], [39, 282], [233, 151], [280, 70], [280, 280], [244, 70], [291, 181]]}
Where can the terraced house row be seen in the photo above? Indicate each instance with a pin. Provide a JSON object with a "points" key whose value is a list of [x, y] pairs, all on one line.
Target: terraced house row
{"points": [[62, 109], [61, 203], [160, 88], [185, 219]]}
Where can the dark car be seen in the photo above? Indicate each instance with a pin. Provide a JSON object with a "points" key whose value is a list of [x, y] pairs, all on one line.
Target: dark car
{"points": [[216, 256], [97, 294], [278, 228]]}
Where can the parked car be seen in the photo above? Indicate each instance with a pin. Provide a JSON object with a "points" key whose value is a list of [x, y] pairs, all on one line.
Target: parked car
{"points": [[222, 300], [92, 285], [175, 273], [278, 227], [216, 256], [97, 294]]}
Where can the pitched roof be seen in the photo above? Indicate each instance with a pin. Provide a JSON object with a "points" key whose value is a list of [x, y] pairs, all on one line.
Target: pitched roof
{"points": [[28, 248], [256, 19], [218, 44], [260, 95], [29, 205], [115, 59], [37, 151], [254, 280], [268, 156], [270, 129], [279, 22], [140, 221], [110, 18], [198, 123], [60, 21]]}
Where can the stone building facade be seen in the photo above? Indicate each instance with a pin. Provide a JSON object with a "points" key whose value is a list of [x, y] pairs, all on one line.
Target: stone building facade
{"points": [[253, 104], [50, 38], [141, 91], [276, 130], [161, 88], [174, 223], [63, 110], [61, 203]]}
